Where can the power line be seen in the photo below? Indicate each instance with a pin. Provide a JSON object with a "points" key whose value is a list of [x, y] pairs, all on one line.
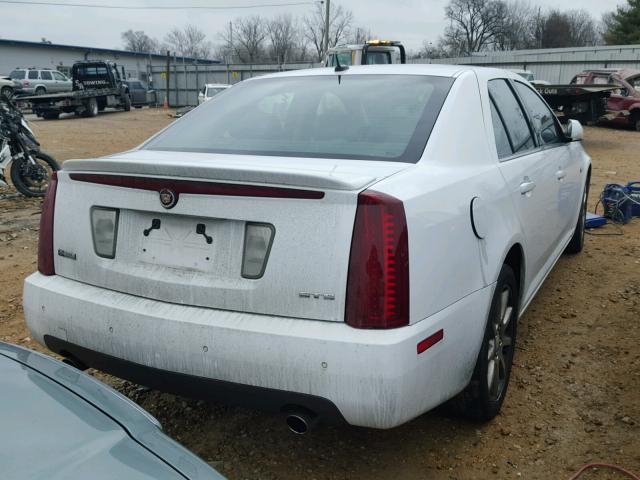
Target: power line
{"points": [[156, 7]]}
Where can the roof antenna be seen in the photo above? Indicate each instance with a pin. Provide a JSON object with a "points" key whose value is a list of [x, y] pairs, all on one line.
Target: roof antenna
{"points": [[340, 68]]}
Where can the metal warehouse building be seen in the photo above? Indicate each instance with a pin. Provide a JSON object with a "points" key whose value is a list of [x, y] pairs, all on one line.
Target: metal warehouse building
{"points": [[557, 65], [17, 53]]}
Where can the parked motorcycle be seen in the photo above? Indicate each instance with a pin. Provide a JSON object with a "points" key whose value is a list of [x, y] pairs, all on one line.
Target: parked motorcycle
{"points": [[30, 167]]}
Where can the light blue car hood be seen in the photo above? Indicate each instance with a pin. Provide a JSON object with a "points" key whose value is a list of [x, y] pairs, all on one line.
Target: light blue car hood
{"points": [[58, 423]]}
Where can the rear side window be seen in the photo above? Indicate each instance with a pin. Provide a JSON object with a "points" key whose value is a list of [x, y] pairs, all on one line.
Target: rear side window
{"points": [[514, 118], [502, 139], [541, 115], [46, 75], [17, 75], [33, 74]]}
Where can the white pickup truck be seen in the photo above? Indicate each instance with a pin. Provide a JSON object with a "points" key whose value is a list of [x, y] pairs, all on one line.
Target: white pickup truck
{"points": [[372, 52]]}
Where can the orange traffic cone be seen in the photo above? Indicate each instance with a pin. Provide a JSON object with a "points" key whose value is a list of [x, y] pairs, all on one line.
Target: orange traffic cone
{"points": [[165, 105]]}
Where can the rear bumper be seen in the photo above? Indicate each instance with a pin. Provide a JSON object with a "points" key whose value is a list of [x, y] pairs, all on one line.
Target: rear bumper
{"points": [[194, 386], [372, 378]]}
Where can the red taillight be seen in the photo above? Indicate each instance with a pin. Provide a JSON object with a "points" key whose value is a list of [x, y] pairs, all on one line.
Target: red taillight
{"points": [[45, 241], [378, 282]]}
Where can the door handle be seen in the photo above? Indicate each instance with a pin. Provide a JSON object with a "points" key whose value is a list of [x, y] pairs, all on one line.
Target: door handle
{"points": [[560, 174], [527, 186]]}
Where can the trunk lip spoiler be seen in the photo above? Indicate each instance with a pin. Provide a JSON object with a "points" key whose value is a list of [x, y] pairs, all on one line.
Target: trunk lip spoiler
{"points": [[197, 187], [218, 172]]}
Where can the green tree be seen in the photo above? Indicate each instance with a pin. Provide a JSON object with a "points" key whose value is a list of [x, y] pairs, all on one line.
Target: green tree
{"points": [[623, 26]]}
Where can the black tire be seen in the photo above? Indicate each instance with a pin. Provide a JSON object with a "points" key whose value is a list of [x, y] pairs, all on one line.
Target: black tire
{"points": [[126, 103], [138, 106], [483, 398], [635, 120], [32, 183], [40, 91], [91, 108], [576, 244], [51, 115], [6, 92]]}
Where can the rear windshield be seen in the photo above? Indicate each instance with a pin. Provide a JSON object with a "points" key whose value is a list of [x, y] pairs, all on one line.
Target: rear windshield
{"points": [[17, 75], [214, 91], [378, 58], [90, 71], [368, 117]]}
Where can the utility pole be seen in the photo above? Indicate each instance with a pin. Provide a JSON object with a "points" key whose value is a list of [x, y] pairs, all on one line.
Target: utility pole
{"points": [[327, 12], [230, 51], [166, 96]]}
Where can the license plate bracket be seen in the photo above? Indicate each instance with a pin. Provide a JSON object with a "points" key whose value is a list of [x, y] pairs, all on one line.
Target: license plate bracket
{"points": [[178, 242]]}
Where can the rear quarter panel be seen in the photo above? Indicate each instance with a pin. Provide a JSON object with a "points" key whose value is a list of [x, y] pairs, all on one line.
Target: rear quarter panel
{"points": [[447, 260]]}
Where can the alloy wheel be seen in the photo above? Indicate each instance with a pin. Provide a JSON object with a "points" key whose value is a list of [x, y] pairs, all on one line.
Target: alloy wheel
{"points": [[500, 343]]}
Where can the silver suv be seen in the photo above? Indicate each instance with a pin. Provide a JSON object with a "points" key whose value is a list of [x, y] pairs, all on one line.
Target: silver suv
{"points": [[41, 81]]}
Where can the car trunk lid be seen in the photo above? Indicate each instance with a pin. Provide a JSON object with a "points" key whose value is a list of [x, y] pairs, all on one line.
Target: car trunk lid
{"points": [[193, 253]]}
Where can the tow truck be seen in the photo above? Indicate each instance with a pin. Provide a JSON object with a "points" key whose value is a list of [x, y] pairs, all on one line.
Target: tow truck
{"points": [[598, 97], [96, 85], [372, 52]]}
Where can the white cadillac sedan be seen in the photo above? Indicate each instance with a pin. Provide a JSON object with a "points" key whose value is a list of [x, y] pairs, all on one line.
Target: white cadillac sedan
{"points": [[353, 244]]}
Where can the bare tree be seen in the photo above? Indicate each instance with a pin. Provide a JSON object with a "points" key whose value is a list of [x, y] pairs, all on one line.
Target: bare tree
{"points": [[518, 25], [283, 36], [302, 53], [583, 29], [572, 28], [249, 34], [474, 24], [477, 25], [360, 35], [188, 42], [607, 24], [225, 49], [138, 41], [339, 24]]}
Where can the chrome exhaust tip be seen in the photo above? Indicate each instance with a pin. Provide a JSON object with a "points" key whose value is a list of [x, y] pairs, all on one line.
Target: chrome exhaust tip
{"points": [[300, 421], [297, 424]]}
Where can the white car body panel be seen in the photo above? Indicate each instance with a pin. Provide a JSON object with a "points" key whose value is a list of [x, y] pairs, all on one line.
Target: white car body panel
{"points": [[262, 333]]}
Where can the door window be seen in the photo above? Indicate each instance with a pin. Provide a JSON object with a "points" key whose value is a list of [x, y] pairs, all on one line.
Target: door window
{"points": [[33, 75], [514, 118], [44, 75], [541, 115], [502, 139], [58, 76]]}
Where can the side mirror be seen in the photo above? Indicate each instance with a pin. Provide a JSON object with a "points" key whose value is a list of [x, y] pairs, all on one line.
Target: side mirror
{"points": [[574, 131]]}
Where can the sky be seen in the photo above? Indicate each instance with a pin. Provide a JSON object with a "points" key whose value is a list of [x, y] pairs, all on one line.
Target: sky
{"points": [[411, 21]]}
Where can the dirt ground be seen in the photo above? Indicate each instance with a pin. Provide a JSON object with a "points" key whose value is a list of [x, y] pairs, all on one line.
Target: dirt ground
{"points": [[575, 388]]}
